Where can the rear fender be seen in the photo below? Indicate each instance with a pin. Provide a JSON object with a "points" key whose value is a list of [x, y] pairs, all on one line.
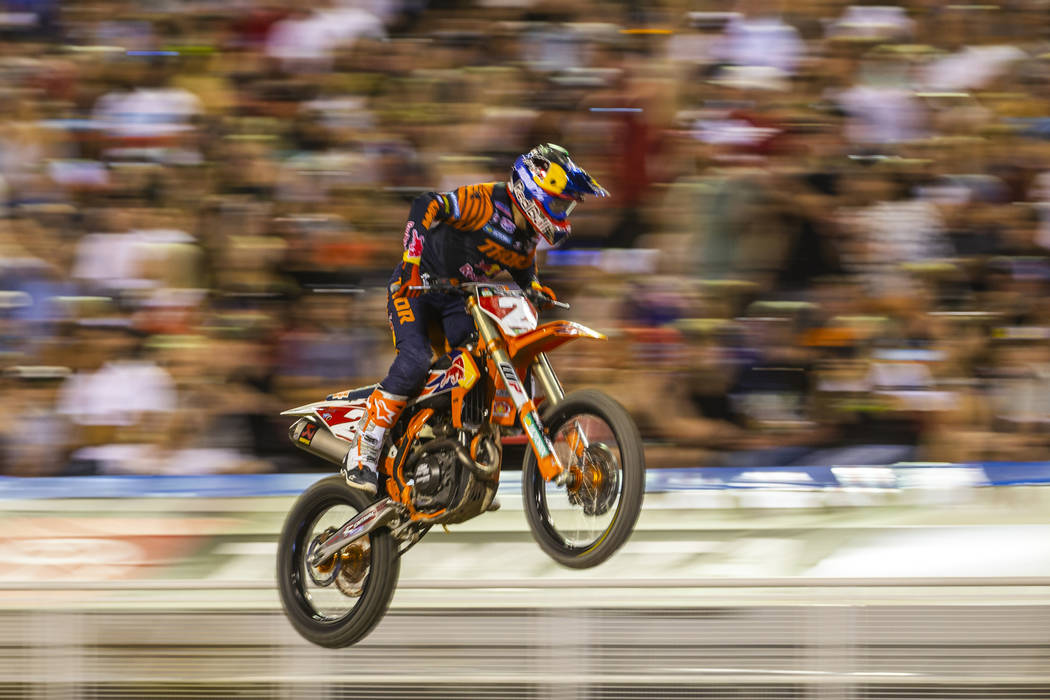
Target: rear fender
{"points": [[339, 417]]}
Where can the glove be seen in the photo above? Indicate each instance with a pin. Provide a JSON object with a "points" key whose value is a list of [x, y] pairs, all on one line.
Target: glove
{"points": [[540, 295], [410, 277]]}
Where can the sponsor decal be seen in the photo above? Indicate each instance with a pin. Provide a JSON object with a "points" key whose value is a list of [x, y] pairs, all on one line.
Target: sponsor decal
{"points": [[502, 407], [479, 272], [535, 432], [510, 377], [468, 272], [413, 242], [364, 522], [507, 258], [307, 434], [553, 179], [404, 310], [456, 374], [492, 231], [533, 211], [504, 222]]}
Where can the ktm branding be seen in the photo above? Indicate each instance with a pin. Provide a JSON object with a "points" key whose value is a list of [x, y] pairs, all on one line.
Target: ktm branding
{"points": [[507, 258]]}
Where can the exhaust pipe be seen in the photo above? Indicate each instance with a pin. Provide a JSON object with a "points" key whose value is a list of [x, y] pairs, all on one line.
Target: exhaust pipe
{"points": [[310, 435]]}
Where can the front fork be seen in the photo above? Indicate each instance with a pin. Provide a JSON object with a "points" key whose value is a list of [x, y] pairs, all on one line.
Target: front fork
{"points": [[548, 381], [546, 458]]}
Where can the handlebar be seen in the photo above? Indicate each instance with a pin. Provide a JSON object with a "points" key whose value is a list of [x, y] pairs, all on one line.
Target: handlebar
{"points": [[444, 286]]}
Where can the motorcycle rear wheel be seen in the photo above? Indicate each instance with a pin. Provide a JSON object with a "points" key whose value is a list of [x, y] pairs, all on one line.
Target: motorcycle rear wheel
{"points": [[352, 590], [582, 525]]}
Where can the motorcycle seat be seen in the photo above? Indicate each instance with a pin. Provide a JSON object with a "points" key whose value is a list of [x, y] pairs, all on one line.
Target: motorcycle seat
{"points": [[349, 395], [352, 394]]}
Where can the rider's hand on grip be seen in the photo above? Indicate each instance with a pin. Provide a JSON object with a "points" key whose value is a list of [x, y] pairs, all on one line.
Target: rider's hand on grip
{"points": [[540, 295], [409, 278]]}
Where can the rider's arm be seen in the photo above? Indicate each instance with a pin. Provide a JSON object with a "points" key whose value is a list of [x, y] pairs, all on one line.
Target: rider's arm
{"points": [[529, 280], [426, 209], [467, 208], [524, 277]]}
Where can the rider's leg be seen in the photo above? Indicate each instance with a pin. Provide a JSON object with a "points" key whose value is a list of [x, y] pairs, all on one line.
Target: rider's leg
{"points": [[456, 323], [383, 408], [458, 327], [409, 369]]}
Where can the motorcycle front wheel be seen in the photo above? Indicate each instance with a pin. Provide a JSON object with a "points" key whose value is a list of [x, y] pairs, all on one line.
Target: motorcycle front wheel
{"points": [[339, 601], [583, 523]]}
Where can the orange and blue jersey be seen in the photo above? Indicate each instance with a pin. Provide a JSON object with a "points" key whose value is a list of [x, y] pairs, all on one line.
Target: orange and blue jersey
{"points": [[469, 234]]}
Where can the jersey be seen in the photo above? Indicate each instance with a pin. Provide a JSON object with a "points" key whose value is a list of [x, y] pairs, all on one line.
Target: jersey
{"points": [[469, 234]]}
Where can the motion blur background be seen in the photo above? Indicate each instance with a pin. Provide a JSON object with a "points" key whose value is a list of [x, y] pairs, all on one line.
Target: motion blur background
{"points": [[827, 233], [827, 245]]}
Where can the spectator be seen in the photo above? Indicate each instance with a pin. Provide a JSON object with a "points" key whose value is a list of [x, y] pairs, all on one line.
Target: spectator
{"points": [[227, 185]]}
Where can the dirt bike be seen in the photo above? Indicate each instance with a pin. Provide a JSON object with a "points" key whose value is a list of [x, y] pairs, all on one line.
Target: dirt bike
{"points": [[582, 481]]}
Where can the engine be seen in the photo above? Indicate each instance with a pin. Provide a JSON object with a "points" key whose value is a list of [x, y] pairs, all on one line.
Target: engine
{"points": [[446, 474], [435, 480]]}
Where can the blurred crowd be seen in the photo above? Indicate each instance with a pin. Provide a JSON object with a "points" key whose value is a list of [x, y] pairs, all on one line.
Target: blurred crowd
{"points": [[828, 240]]}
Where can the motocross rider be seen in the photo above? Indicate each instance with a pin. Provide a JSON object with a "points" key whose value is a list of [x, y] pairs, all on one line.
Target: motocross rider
{"points": [[468, 234]]}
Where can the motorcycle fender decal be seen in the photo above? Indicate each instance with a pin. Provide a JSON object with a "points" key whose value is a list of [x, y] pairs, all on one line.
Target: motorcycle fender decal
{"points": [[470, 371], [457, 406], [503, 408], [346, 431], [546, 459], [514, 315], [338, 415], [513, 384], [463, 372], [338, 410], [309, 409]]}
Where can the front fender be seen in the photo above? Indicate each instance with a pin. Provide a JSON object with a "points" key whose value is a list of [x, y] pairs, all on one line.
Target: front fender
{"points": [[524, 348]]}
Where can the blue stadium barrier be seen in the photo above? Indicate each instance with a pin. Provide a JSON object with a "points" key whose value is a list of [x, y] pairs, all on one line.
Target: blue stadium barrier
{"points": [[879, 477]]}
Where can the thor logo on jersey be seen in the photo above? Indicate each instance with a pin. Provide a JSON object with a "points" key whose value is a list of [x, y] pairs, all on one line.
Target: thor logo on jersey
{"points": [[507, 258]]}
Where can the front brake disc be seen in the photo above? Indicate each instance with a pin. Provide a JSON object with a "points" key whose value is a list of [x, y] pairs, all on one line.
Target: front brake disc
{"points": [[324, 573], [353, 567], [598, 480]]}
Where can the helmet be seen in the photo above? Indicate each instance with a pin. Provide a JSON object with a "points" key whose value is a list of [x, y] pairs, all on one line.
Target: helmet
{"points": [[546, 185]]}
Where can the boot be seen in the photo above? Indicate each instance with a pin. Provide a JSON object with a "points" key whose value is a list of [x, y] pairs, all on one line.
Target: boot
{"points": [[359, 467]]}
